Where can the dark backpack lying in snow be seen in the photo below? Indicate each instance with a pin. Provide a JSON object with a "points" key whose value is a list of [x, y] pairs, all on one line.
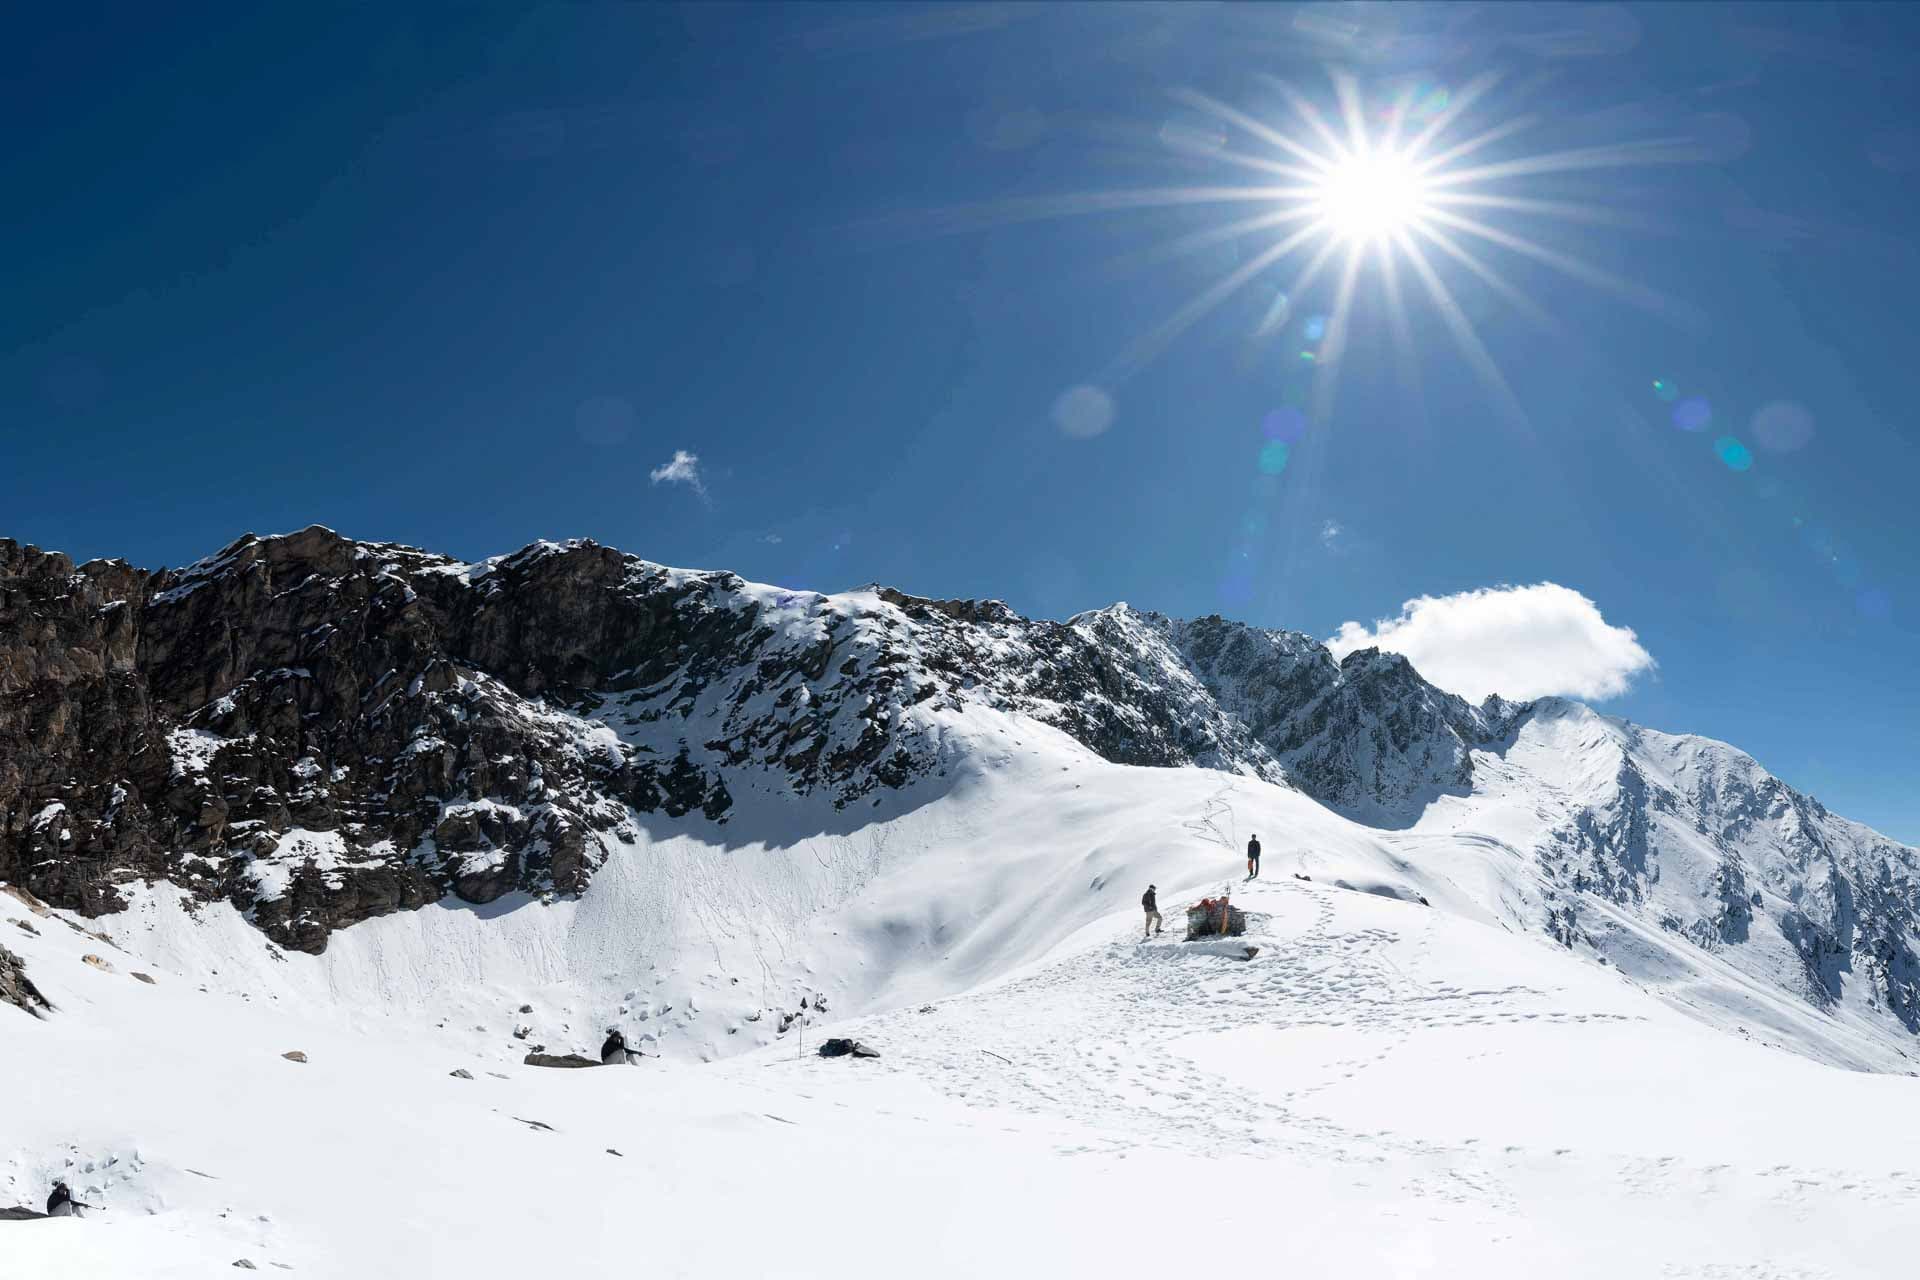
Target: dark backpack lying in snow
{"points": [[841, 1048]]}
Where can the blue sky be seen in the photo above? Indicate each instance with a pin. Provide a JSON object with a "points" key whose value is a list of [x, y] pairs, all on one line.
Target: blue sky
{"points": [[470, 277]]}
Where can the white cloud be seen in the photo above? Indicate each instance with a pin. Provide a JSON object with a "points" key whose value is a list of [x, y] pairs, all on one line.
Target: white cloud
{"points": [[1520, 642], [682, 468], [771, 539], [1330, 535]]}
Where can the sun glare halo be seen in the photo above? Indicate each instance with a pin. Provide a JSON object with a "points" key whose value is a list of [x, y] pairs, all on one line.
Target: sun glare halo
{"points": [[1370, 195]]}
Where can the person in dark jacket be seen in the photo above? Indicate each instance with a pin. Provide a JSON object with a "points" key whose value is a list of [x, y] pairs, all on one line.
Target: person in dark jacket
{"points": [[1152, 903], [61, 1203], [615, 1051], [1253, 858]]}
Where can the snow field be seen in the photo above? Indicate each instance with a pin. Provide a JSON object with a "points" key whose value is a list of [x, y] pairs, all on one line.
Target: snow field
{"points": [[1387, 1089]]}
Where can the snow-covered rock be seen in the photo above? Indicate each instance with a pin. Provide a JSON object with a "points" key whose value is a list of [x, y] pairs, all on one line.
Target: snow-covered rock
{"points": [[318, 733]]}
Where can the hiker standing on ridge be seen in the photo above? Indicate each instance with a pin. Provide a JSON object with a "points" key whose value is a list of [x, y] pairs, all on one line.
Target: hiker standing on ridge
{"points": [[1253, 858], [1152, 904]]}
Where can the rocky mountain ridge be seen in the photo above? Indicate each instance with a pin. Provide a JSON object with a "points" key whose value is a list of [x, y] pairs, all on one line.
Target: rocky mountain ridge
{"points": [[322, 731]]}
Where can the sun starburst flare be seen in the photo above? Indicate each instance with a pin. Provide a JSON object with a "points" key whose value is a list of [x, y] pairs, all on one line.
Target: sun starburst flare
{"points": [[1405, 194], [1372, 194], [1376, 196]]}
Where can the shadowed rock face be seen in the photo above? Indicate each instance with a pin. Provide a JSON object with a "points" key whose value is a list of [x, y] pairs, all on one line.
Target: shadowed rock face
{"points": [[322, 731], [311, 726], [325, 730], [16, 988]]}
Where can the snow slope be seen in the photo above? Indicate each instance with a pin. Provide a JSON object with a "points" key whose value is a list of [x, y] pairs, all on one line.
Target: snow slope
{"points": [[1386, 1090], [610, 789], [1699, 874], [702, 942]]}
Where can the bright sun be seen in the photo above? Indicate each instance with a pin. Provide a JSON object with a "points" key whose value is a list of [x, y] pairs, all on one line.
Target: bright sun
{"points": [[1385, 188], [1371, 195]]}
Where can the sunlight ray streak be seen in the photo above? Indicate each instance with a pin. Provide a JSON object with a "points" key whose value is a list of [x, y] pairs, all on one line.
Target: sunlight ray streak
{"points": [[1311, 271], [1571, 211], [1326, 385], [1455, 107], [1405, 358], [1307, 112], [1264, 165], [1397, 116], [1193, 241], [957, 219], [1144, 348], [1565, 263], [1347, 89], [1257, 128], [1506, 129], [1492, 279], [1621, 156], [1463, 332]]}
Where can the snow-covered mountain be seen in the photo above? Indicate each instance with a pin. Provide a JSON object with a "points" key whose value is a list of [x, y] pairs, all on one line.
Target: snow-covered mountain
{"points": [[1387, 1088], [409, 815], [321, 732]]}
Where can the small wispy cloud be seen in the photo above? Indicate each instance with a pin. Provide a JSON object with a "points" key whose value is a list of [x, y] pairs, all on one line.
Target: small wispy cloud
{"points": [[1330, 534], [772, 539], [682, 468]]}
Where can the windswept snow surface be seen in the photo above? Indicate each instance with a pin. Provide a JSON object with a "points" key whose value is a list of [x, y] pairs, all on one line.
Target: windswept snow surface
{"points": [[1387, 1089]]}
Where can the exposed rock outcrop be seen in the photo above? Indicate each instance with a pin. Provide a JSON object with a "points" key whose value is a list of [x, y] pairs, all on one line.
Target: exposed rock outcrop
{"points": [[16, 988]]}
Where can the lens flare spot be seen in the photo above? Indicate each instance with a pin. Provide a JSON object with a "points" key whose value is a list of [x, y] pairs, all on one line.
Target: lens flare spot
{"points": [[1666, 391], [1083, 412], [1277, 312], [1693, 414], [1273, 458], [1432, 103], [1286, 424], [1316, 328], [1782, 427], [1736, 455]]}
